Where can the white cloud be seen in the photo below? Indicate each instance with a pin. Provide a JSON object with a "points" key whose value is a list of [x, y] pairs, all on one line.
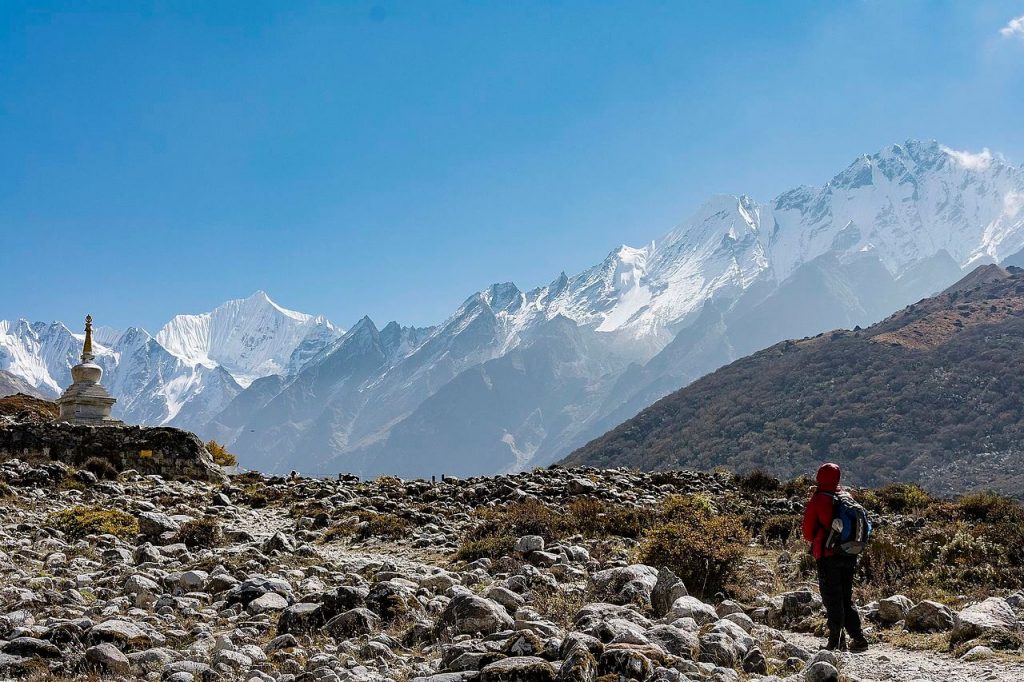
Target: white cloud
{"points": [[1014, 29], [971, 161]]}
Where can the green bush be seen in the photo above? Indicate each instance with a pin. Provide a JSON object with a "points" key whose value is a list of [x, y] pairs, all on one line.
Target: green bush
{"points": [[77, 522], [990, 507], [797, 487], [900, 498]]}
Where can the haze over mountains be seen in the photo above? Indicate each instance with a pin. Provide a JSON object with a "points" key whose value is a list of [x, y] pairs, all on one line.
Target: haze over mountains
{"points": [[514, 379]]}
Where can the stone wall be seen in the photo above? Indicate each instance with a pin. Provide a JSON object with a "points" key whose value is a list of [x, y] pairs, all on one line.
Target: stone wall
{"points": [[171, 453]]}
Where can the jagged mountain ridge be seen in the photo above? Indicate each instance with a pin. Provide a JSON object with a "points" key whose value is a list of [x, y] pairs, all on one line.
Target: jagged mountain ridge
{"points": [[932, 389], [154, 385], [736, 276]]}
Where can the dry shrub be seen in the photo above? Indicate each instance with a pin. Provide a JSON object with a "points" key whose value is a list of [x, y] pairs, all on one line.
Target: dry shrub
{"points": [[77, 522], [370, 525], [205, 532], [597, 519], [776, 529], [101, 468], [220, 454], [492, 547], [757, 481], [388, 481], [704, 551]]}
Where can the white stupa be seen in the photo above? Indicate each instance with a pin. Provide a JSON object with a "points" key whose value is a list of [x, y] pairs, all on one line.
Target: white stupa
{"points": [[85, 401]]}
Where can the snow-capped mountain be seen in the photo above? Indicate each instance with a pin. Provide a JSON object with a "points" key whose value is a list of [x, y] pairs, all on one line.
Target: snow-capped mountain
{"points": [[735, 276], [250, 337], [519, 378], [185, 385]]}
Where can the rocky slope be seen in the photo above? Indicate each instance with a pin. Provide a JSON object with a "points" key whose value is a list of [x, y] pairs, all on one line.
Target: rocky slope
{"points": [[914, 397], [11, 384], [304, 579]]}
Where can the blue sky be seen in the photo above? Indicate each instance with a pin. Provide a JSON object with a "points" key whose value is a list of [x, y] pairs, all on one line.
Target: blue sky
{"points": [[391, 158]]}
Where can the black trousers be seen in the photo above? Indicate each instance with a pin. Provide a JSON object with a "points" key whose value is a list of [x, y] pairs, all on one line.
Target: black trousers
{"points": [[835, 580]]}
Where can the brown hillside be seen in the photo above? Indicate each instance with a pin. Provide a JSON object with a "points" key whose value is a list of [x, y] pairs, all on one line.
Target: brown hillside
{"points": [[28, 408], [915, 397]]}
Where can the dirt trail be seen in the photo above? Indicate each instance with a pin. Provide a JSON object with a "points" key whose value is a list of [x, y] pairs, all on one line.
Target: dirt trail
{"points": [[886, 662]]}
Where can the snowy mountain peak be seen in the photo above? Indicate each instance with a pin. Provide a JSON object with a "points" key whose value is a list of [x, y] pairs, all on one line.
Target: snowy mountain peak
{"points": [[250, 338]]}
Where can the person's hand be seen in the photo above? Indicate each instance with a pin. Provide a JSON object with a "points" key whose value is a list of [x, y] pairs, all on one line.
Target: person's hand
{"points": [[811, 490]]}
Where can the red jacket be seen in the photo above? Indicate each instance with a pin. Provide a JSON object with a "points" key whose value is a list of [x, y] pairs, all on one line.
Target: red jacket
{"points": [[818, 514]]}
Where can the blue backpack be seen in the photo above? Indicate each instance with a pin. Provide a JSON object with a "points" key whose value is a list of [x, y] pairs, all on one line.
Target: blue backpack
{"points": [[851, 527]]}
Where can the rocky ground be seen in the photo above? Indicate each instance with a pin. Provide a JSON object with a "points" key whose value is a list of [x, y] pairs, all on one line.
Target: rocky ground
{"points": [[305, 579]]}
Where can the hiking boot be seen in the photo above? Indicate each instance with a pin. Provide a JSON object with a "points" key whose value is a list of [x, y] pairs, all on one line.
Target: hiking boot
{"points": [[858, 645], [833, 646]]}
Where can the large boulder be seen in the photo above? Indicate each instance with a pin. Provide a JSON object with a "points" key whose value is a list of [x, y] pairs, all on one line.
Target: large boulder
{"points": [[691, 607], [579, 665], [301, 618], [469, 614], [518, 669], [107, 658], [627, 584], [391, 600], [930, 616], [992, 617], [893, 609], [352, 623], [122, 633], [676, 641], [667, 588]]}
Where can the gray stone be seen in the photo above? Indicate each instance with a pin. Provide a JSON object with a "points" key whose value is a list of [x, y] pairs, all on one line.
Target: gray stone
{"points": [[518, 669], [529, 543], [667, 588], [893, 609], [821, 672], [691, 607], [108, 658], [304, 617], [124, 634], [930, 616], [467, 613], [271, 601], [352, 623], [994, 616], [30, 647]]}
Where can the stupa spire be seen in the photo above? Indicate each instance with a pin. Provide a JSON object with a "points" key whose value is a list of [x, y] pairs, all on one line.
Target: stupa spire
{"points": [[87, 355]]}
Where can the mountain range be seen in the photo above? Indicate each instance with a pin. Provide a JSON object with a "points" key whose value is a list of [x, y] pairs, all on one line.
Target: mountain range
{"points": [[932, 394], [514, 379]]}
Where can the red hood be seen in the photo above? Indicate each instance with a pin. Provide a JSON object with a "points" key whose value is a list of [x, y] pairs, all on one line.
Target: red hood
{"points": [[828, 476]]}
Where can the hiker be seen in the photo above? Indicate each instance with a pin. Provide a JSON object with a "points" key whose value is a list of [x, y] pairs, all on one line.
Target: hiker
{"points": [[835, 566]]}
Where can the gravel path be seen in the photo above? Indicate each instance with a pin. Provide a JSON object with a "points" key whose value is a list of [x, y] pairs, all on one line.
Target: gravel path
{"points": [[886, 662]]}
